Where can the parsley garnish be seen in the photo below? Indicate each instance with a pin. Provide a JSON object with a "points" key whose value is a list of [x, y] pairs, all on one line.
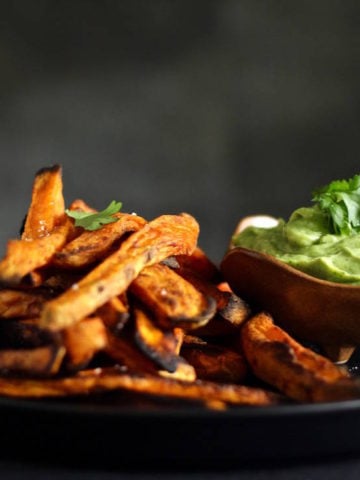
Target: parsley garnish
{"points": [[340, 202], [94, 221]]}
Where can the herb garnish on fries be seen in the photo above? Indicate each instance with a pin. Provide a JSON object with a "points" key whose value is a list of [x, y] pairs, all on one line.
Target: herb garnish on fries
{"points": [[94, 221]]}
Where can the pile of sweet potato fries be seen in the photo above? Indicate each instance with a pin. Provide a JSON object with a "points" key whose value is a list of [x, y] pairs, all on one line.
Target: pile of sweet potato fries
{"points": [[137, 305]]}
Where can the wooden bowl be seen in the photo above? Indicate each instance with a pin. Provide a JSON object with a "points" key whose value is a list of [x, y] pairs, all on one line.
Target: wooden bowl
{"points": [[317, 311]]}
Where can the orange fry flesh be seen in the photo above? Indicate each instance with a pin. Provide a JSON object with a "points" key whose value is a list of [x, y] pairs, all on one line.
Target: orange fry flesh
{"points": [[47, 204], [46, 229], [82, 341]]}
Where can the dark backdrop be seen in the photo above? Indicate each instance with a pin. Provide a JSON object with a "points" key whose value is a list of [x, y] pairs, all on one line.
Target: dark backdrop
{"points": [[220, 109]]}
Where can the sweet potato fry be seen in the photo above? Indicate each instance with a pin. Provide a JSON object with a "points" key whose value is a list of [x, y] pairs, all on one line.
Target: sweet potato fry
{"points": [[39, 361], [82, 341], [230, 306], [165, 236], [24, 256], [114, 313], [217, 363], [160, 345], [17, 303], [47, 204], [123, 350], [173, 300], [199, 263], [91, 246], [300, 373], [87, 382], [183, 371]]}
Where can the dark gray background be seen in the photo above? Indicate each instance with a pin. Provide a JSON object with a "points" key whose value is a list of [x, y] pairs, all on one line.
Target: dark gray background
{"points": [[219, 108]]}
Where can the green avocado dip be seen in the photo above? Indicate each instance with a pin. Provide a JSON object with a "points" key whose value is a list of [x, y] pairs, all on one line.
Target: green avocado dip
{"points": [[322, 240]]}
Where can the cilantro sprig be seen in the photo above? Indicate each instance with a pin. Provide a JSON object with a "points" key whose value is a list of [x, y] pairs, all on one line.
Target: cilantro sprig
{"points": [[94, 221], [340, 202]]}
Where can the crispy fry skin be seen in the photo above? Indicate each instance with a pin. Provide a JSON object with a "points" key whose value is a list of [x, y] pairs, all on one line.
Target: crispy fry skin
{"points": [[114, 313], [159, 345], [165, 236], [82, 341], [173, 300], [217, 363], [39, 361], [125, 352], [303, 375], [24, 256], [199, 263], [47, 204], [183, 370], [231, 307], [87, 382], [17, 303], [91, 246]]}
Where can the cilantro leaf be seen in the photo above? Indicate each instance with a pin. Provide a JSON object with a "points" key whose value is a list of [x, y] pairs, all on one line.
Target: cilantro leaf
{"points": [[340, 202], [94, 221]]}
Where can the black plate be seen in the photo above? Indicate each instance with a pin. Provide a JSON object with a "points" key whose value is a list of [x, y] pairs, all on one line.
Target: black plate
{"points": [[111, 433], [121, 429]]}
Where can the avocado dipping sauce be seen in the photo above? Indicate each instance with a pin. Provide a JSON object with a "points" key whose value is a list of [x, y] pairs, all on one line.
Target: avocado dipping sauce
{"points": [[305, 243]]}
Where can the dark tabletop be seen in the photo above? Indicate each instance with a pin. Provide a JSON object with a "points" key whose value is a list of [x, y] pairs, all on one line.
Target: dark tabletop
{"points": [[221, 109], [330, 469]]}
